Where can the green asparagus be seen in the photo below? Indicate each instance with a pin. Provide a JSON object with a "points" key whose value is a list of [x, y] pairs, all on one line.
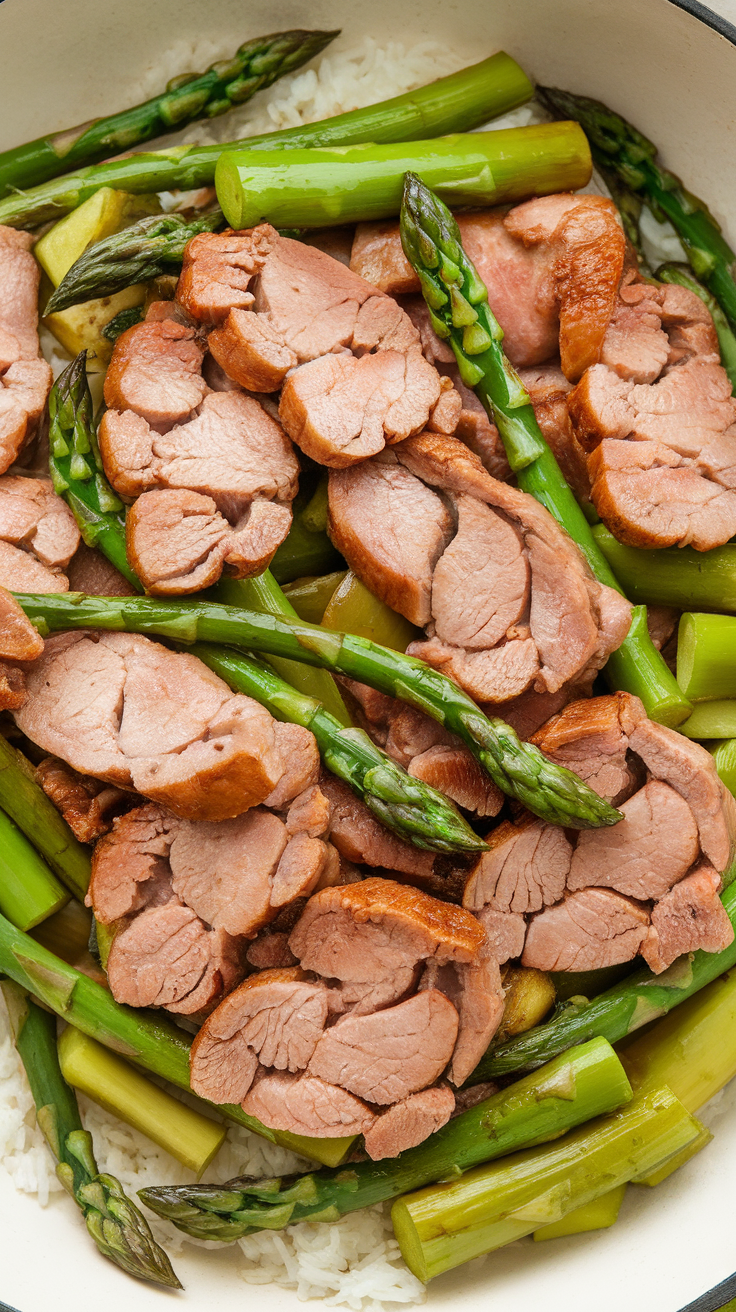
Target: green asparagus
{"points": [[518, 768], [76, 468], [599, 1214], [35, 814], [683, 276], [122, 321], [569, 1091], [321, 187], [673, 576], [29, 891], [411, 809], [705, 656], [459, 311], [714, 719], [457, 103], [620, 149], [119, 1229], [255, 65], [724, 756], [305, 549], [148, 249], [638, 999], [148, 1038]]}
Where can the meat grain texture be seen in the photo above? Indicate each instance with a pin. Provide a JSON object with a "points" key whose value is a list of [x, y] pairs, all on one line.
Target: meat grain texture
{"points": [[393, 1001], [650, 885], [25, 378]]}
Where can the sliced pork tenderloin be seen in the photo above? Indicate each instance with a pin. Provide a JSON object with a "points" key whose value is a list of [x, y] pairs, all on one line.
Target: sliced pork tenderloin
{"points": [[690, 917], [361, 838], [305, 1104], [88, 806], [526, 868], [38, 535], [587, 931], [19, 639], [156, 371], [91, 572], [591, 738], [166, 957], [409, 1123], [25, 378]]}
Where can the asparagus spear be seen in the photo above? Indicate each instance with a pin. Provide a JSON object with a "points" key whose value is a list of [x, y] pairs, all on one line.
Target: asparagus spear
{"points": [[76, 468], [518, 768], [620, 149], [684, 277], [149, 1039], [409, 808], [321, 187], [27, 898], [724, 756], [638, 999], [709, 720], [705, 651], [673, 576], [119, 1229], [191, 96], [569, 1091], [35, 814], [458, 306], [147, 249], [457, 103]]}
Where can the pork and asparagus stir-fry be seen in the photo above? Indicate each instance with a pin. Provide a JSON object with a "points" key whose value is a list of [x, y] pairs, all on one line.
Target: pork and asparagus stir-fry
{"points": [[361, 665]]}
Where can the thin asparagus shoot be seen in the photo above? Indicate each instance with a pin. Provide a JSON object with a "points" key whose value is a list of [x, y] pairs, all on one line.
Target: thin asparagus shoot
{"points": [[519, 769], [673, 576], [255, 65], [29, 891], [683, 276], [584, 1083], [457, 300], [705, 656], [119, 1229], [35, 814]]}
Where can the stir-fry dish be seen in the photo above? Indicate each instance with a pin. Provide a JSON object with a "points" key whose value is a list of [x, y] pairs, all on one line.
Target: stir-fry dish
{"points": [[368, 734]]}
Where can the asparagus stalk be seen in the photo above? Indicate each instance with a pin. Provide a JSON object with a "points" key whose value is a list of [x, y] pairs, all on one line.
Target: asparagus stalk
{"points": [[352, 608], [457, 103], [518, 768], [305, 549], [35, 814], [255, 65], [673, 576], [311, 594], [569, 1091], [639, 998], [598, 1214], [76, 468], [409, 808], [148, 249], [321, 187], [459, 311], [684, 277], [119, 1229], [190, 1137], [152, 1041], [29, 891], [620, 149], [716, 719], [122, 321], [705, 656], [724, 756], [445, 1225]]}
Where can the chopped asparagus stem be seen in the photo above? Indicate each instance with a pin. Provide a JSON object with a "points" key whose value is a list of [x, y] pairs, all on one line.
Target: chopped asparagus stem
{"points": [[35, 814], [673, 576], [29, 891], [706, 669]]}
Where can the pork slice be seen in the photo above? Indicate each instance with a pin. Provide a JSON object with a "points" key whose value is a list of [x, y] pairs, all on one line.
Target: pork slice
{"points": [[377, 256], [591, 738], [359, 837], [635, 346], [548, 390], [252, 352], [32, 516], [232, 450], [689, 917], [392, 530], [20, 571], [276, 1016], [688, 324], [409, 1123], [690, 770], [480, 585], [217, 270], [561, 618], [167, 958], [480, 1002], [340, 409], [494, 675], [270, 951], [303, 1104], [19, 279], [24, 387], [505, 933], [526, 868], [225, 871], [19, 639], [310, 813], [646, 853], [589, 930], [387, 1055], [362, 998], [156, 371], [13, 693], [299, 869], [129, 861], [91, 572], [364, 932], [88, 806], [457, 774]]}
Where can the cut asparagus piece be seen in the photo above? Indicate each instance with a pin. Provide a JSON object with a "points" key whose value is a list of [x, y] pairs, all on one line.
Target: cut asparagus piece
{"points": [[638, 999], [148, 1038], [518, 768], [311, 594], [684, 277], [673, 576], [460, 314], [190, 96], [76, 468], [571, 1090], [35, 814], [619, 148], [599, 1214], [716, 719], [445, 1225], [190, 1137], [724, 756], [353, 608], [457, 103], [321, 187], [29, 891], [706, 669], [412, 810], [119, 1229]]}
